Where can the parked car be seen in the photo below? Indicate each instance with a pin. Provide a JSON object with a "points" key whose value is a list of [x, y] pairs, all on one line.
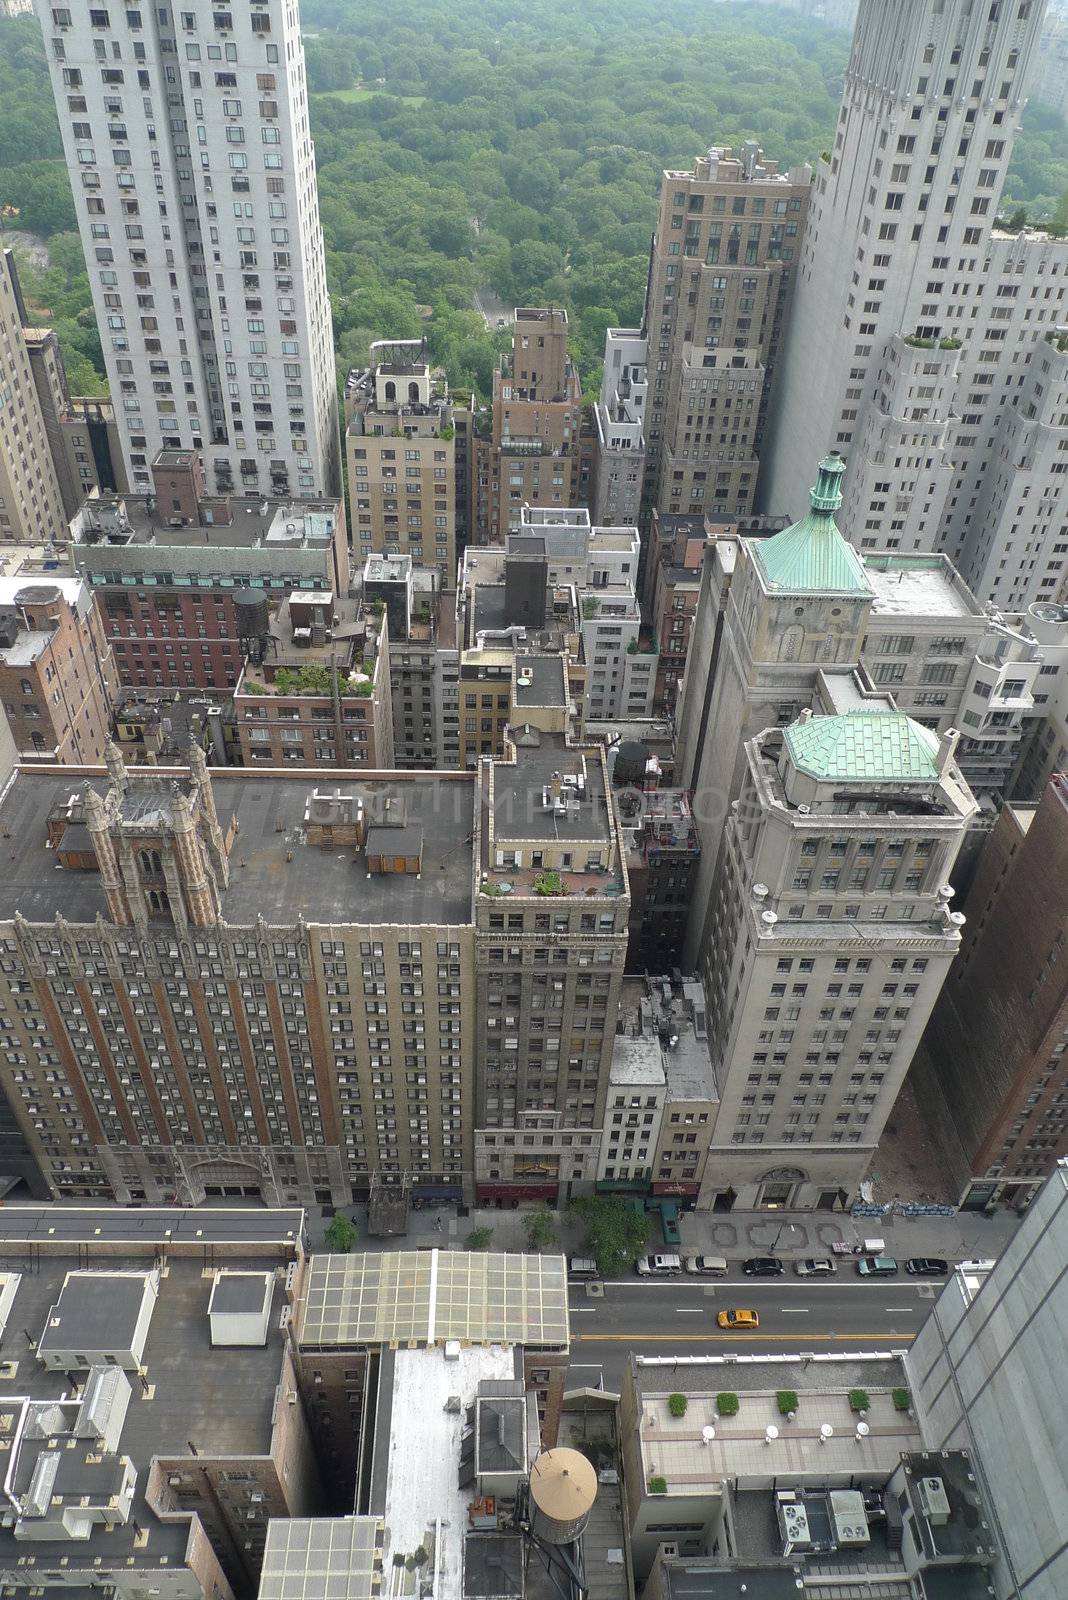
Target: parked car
{"points": [[735, 1318], [927, 1267], [815, 1267], [877, 1266], [706, 1266], [763, 1267], [583, 1267], [662, 1266]]}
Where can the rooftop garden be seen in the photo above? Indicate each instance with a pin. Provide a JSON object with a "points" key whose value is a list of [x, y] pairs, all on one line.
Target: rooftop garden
{"points": [[315, 678]]}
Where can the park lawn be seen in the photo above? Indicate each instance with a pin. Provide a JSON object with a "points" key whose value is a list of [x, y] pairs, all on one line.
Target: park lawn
{"points": [[353, 96]]}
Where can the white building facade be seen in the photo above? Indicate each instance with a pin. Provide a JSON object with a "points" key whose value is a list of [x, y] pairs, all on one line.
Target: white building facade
{"points": [[830, 937], [918, 344], [187, 137]]}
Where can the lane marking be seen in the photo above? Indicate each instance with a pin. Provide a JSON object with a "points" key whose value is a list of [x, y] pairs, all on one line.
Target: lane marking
{"points": [[689, 1311], [897, 1308], [796, 1311], [759, 1337], [583, 1311]]}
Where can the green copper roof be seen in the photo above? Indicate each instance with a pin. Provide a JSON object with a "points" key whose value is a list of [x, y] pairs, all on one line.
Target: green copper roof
{"points": [[812, 556], [878, 746]]}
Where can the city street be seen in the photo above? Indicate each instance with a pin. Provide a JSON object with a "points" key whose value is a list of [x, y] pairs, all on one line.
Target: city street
{"points": [[679, 1315]]}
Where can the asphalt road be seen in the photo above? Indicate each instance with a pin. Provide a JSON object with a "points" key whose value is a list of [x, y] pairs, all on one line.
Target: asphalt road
{"points": [[679, 1315]]}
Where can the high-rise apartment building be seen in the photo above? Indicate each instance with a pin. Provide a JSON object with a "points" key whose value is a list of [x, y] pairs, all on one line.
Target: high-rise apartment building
{"points": [[31, 504], [402, 445], [186, 134], [724, 256], [829, 938], [551, 915], [297, 989], [776, 614], [537, 452], [924, 341], [982, 1379], [993, 1071], [689, 389]]}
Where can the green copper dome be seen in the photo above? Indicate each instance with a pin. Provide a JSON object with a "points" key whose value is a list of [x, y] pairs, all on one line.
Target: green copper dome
{"points": [[874, 746], [812, 557]]}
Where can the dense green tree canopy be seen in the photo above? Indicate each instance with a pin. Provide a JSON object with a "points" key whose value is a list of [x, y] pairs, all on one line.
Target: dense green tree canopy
{"points": [[474, 145]]}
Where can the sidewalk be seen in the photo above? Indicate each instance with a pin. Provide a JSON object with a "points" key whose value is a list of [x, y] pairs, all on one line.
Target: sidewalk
{"points": [[734, 1234]]}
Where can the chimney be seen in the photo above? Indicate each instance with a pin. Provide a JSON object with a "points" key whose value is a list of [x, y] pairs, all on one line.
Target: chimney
{"points": [[947, 748]]}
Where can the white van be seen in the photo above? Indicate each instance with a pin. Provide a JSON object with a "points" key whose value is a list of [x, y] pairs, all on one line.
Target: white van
{"points": [[657, 1266]]}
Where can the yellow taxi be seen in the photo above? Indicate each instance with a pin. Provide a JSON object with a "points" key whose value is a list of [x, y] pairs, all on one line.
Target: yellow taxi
{"points": [[735, 1318]]}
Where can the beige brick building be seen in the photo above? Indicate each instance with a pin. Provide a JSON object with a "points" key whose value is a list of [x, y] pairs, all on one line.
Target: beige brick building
{"points": [[401, 449]]}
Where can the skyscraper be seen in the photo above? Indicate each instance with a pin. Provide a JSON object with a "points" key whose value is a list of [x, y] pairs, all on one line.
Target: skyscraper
{"points": [[31, 506], [186, 134], [920, 332]]}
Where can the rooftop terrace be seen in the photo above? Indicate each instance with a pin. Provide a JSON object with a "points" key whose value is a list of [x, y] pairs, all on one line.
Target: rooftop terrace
{"points": [[703, 1450], [919, 586]]}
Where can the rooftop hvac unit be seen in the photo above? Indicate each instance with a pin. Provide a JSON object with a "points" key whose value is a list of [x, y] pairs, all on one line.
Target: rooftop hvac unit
{"points": [[935, 1501], [848, 1517], [793, 1523]]}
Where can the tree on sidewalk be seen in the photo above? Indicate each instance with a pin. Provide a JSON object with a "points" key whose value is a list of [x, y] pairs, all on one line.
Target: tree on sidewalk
{"points": [[540, 1228], [340, 1235], [480, 1238], [615, 1234]]}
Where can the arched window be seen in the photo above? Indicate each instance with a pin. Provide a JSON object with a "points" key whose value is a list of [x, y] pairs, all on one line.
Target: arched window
{"points": [[391, 390], [158, 901], [413, 391]]}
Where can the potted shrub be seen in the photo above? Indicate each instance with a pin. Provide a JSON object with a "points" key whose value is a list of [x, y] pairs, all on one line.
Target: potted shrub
{"points": [[727, 1403], [902, 1399], [657, 1485], [859, 1402], [677, 1405], [787, 1402]]}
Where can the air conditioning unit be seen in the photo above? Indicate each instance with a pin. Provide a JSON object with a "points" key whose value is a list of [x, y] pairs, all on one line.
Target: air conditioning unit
{"points": [[934, 1501], [667, 1550]]}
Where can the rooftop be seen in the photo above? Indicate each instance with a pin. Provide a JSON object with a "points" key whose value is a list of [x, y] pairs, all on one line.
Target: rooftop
{"points": [[523, 807], [428, 1507], [706, 1579], [429, 1296], [220, 1400], [110, 522], [918, 586], [702, 1451], [548, 681], [870, 746], [48, 1227], [273, 870]]}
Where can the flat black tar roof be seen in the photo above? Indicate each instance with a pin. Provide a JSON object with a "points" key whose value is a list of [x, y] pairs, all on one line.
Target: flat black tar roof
{"points": [[518, 809], [222, 1400], [240, 1291], [272, 869], [147, 1224], [549, 682], [95, 1310]]}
